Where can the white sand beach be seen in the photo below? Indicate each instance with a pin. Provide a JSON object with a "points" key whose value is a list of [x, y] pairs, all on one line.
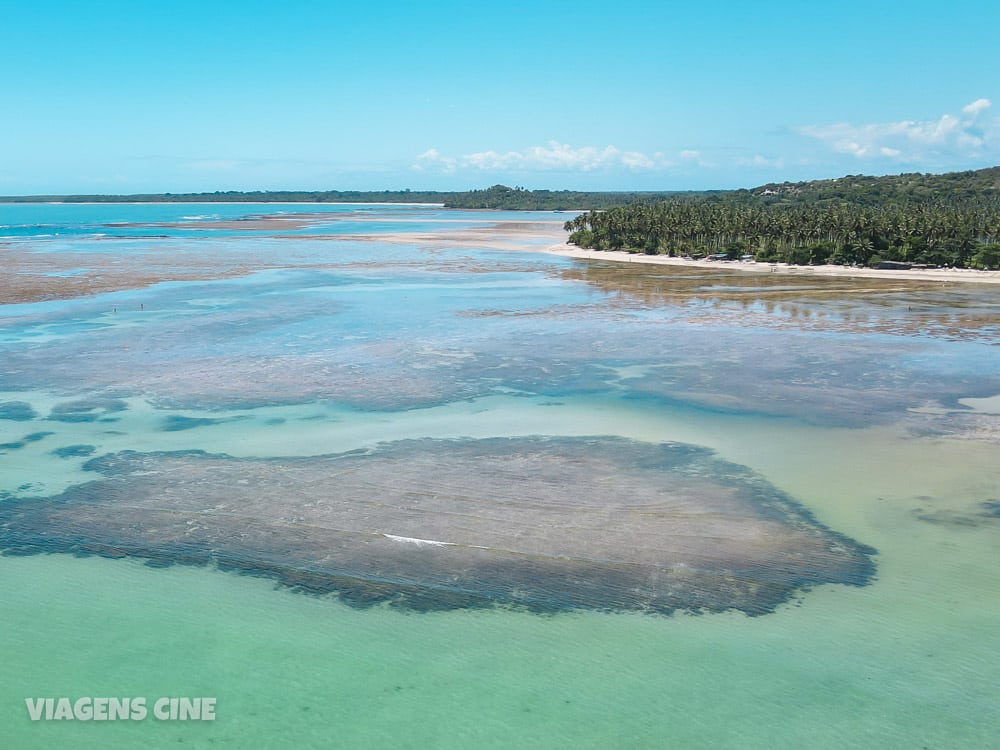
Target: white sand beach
{"points": [[920, 274]]}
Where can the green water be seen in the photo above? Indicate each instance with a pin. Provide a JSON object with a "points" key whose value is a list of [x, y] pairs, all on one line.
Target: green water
{"points": [[910, 661]]}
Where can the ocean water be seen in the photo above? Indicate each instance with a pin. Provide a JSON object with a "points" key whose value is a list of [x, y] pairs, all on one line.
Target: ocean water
{"points": [[351, 333]]}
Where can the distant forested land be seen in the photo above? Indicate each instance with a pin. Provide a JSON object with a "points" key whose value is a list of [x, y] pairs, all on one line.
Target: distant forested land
{"points": [[501, 196], [238, 196], [940, 220], [943, 220], [496, 197]]}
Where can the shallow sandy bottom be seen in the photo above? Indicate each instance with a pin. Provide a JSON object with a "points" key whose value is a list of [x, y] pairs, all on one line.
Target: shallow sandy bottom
{"points": [[32, 277]]}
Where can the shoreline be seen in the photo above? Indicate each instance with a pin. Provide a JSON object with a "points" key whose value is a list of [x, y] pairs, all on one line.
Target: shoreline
{"points": [[216, 203], [963, 275]]}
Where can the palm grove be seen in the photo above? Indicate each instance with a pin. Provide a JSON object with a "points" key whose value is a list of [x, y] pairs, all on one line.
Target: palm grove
{"points": [[939, 220]]}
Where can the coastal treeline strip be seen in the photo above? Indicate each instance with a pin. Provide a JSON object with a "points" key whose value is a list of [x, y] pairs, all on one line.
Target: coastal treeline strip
{"points": [[940, 220], [518, 198], [495, 197], [240, 196], [911, 188]]}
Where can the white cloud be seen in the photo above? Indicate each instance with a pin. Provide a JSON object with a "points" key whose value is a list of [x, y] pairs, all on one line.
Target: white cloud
{"points": [[958, 135], [490, 160], [555, 156], [977, 106], [562, 157], [637, 160], [432, 159]]}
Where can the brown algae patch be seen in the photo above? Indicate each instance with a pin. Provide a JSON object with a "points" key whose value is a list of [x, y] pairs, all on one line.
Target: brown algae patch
{"points": [[36, 276], [543, 524], [941, 309]]}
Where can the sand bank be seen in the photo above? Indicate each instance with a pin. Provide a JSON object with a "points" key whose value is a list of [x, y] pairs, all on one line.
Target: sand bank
{"points": [[928, 274]]}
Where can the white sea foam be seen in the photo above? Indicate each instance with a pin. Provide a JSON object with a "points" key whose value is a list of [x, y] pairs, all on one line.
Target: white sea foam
{"points": [[411, 540]]}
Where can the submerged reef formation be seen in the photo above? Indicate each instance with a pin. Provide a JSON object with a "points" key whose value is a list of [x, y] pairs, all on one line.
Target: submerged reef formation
{"points": [[544, 524]]}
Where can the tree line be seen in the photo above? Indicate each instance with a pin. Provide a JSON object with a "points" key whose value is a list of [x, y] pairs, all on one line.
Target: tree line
{"points": [[938, 220], [495, 197], [518, 198]]}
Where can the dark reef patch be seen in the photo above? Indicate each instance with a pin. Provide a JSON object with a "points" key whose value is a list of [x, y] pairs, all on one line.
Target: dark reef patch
{"points": [[991, 508], [947, 518], [73, 451], [983, 513], [18, 411], [88, 410], [543, 524], [177, 422]]}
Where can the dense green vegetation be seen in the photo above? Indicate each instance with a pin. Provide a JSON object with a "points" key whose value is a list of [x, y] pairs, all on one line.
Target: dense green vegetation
{"points": [[501, 196], [941, 220]]}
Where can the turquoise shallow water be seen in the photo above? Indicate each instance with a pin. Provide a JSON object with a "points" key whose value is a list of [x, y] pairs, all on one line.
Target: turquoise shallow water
{"points": [[857, 421]]}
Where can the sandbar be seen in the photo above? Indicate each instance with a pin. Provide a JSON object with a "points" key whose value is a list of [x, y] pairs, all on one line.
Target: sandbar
{"points": [[921, 274]]}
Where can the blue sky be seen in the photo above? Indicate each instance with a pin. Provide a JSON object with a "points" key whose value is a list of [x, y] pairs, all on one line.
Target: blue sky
{"points": [[187, 96]]}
